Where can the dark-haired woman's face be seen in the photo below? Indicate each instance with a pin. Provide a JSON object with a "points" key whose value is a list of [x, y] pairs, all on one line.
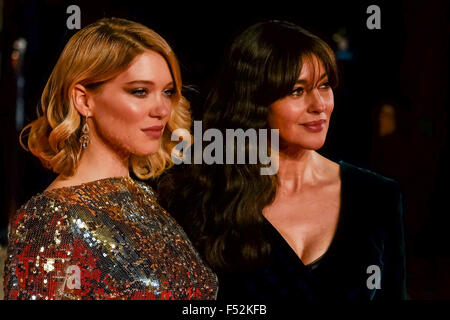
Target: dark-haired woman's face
{"points": [[303, 116]]}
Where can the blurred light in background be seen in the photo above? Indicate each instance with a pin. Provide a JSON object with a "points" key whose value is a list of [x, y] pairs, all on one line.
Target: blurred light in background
{"points": [[343, 50], [387, 123], [19, 48]]}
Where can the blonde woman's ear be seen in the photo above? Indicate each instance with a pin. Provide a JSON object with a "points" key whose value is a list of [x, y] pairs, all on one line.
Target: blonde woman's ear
{"points": [[80, 100]]}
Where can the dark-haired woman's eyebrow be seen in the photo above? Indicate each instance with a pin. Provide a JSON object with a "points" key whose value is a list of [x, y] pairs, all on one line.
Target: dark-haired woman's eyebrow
{"points": [[323, 76], [303, 81]]}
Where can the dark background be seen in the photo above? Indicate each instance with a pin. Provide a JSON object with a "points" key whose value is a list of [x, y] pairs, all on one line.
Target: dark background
{"points": [[404, 64]]}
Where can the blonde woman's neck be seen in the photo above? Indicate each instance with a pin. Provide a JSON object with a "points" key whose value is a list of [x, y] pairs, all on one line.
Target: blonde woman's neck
{"points": [[98, 161]]}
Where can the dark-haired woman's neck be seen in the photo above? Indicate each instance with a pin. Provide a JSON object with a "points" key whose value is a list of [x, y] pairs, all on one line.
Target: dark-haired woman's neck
{"points": [[300, 169]]}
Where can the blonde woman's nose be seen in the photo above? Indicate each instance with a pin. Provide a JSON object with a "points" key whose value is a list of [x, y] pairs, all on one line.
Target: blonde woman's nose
{"points": [[160, 108]]}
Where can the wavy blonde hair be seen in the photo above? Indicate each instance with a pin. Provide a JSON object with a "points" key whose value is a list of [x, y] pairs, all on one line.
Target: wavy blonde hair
{"points": [[94, 55]]}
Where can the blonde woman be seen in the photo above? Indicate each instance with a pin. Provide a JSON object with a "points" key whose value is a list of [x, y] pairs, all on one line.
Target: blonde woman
{"points": [[110, 105]]}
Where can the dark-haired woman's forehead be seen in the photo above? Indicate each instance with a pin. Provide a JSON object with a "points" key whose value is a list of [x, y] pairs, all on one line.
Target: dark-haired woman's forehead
{"points": [[312, 71]]}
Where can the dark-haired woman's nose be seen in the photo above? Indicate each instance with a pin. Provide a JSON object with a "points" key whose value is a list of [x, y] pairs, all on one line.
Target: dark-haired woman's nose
{"points": [[316, 103]]}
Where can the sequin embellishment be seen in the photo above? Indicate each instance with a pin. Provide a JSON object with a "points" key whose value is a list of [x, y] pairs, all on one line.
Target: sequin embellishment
{"points": [[106, 239]]}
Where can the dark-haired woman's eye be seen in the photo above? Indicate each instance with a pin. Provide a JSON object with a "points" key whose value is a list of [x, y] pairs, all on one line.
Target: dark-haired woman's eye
{"points": [[325, 85], [139, 92], [297, 92]]}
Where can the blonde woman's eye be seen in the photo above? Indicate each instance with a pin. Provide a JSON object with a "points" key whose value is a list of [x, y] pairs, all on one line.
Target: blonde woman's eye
{"points": [[169, 92], [140, 92]]}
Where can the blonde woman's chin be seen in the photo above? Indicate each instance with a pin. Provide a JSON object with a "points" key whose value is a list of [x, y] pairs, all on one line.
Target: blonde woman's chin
{"points": [[148, 150]]}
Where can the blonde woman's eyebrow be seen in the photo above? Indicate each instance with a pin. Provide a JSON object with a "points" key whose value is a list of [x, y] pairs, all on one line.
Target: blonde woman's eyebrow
{"points": [[140, 82], [147, 82]]}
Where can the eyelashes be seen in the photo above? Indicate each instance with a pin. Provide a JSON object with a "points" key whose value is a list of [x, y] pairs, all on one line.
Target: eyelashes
{"points": [[139, 92], [169, 92], [297, 92], [143, 92], [300, 90], [326, 85]]}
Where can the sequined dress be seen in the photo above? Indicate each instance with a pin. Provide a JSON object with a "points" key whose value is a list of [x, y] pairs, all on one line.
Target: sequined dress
{"points": [[106, 239]]}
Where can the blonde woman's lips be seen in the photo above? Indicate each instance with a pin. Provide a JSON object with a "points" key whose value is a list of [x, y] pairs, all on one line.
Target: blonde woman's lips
{"points": [[153, 131]]}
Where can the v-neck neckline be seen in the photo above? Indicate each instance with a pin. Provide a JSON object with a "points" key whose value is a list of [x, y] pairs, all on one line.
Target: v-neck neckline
{"points": [[337, 234]]}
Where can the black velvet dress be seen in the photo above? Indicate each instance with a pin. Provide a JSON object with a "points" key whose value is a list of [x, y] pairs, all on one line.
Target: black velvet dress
{"points": [[365, 261]]}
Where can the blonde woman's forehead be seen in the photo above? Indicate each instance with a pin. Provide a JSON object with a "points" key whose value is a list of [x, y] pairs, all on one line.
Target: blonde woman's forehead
{"points": [[150, 67]]}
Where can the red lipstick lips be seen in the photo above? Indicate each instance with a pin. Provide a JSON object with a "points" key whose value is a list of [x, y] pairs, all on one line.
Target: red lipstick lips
{"points": [[153, 131]]}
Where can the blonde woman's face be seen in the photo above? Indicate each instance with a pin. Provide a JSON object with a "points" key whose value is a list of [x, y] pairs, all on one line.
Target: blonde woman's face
{"points": [[131, 111]]}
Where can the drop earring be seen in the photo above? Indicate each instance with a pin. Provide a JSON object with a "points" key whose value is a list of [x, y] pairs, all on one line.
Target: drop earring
{"points": [[84, 139]]}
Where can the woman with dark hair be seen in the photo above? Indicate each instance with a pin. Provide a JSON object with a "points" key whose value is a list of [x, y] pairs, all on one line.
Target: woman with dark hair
{"points": [[317, 229]]}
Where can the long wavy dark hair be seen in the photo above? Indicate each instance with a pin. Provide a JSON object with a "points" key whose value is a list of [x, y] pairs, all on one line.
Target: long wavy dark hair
{"points": [[220, 205]]}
